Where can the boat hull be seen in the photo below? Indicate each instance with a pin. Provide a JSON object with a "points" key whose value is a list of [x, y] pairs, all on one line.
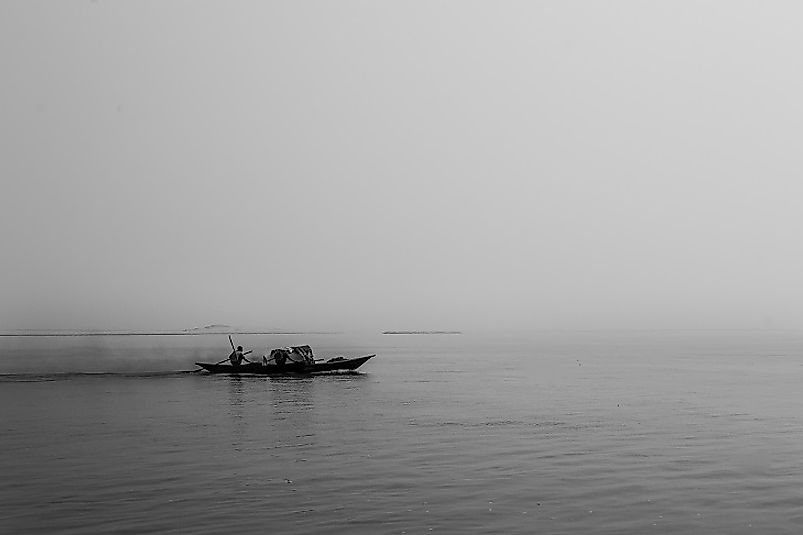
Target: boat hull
{"points": [[255, 368]]}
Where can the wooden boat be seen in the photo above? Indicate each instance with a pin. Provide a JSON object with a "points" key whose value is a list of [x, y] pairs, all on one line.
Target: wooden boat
{"points": [[257, 368]]}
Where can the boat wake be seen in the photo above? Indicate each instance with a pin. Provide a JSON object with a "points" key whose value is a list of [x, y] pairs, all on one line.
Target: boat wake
{"points": [[66, 376]]}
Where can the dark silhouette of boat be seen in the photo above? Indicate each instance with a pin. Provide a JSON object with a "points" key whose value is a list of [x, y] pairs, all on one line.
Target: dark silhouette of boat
{"points": [[261, 368]]}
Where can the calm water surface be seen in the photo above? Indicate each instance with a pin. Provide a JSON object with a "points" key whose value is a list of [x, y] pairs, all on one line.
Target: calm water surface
{"points": [[546, 433]]}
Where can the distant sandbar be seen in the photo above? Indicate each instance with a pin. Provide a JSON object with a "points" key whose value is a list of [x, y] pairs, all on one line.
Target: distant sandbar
{"points": [[422, 332]]}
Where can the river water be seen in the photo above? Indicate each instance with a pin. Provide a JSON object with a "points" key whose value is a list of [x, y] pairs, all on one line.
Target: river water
{"points": [[544, 432]]}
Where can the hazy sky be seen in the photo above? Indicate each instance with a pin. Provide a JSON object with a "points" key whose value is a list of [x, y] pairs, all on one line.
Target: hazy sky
{"points": [[336, 165]]}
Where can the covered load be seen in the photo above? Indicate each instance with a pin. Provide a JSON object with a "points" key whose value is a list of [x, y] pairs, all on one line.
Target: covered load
{"points": [[301, 354]]}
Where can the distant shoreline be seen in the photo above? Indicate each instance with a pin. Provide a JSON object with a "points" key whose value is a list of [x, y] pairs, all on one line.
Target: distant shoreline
{"points": [[159, 333]]}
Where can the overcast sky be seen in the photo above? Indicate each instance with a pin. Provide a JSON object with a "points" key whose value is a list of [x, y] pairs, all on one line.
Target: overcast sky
{"points": [[401, 165]]}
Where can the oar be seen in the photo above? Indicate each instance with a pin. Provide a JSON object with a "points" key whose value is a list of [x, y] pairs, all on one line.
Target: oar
{"points": [[222, 361], [232, 352]]}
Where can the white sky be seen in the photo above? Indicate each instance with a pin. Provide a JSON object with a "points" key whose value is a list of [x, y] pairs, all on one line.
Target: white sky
{"points": [[392, 165]]}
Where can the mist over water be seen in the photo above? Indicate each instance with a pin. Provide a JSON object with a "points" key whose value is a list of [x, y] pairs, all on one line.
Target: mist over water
{"points": [[405, 166], [561, 432]]}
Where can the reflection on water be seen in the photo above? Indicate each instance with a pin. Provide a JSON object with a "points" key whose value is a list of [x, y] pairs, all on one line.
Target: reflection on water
{"points": [[293, 396], [685, 434]]}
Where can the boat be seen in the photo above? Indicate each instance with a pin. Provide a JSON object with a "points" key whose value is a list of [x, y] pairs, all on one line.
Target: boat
{"points": [[289, 360], [258, 368]]}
